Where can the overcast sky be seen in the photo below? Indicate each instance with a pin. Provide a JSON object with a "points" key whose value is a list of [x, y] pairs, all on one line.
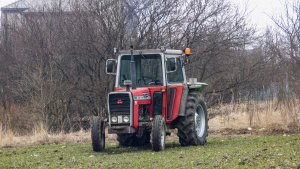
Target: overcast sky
{"points": [[6, 2], [260, 10]]}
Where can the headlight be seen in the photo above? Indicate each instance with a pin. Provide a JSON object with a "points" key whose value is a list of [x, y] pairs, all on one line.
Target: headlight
{"points": [[126, 119], [114, 119]]}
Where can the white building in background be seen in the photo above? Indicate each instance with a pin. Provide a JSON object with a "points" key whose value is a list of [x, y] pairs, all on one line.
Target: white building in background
{"points": [[35, 8], [20, 8]]}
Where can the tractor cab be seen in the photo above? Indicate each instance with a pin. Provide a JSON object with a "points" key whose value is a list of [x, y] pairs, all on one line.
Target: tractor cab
{"points": [[157, 74], [149, 71], [150, 97]]}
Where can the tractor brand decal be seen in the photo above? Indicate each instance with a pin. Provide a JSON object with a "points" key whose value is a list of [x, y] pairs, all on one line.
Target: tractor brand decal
{"points": [[145, 96], [120, 101]]}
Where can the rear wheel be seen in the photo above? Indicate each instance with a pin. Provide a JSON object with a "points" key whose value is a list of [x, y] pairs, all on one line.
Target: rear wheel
{"points": [[158, 133], [98, 134], [193, 127], [127, 140]]}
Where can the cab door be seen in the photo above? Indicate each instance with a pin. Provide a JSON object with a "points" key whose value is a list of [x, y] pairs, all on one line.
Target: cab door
{"points": [[175, 85]]}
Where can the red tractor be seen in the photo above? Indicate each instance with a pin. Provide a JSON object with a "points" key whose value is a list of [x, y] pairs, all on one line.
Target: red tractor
{"points": [[152, 96]]}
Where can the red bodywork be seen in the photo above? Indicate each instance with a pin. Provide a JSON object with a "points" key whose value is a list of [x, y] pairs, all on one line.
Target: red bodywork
{"points": [[150, 91]]}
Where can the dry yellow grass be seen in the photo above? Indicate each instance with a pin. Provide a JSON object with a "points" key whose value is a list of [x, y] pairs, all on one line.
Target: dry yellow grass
{"points": [[6, 137], [1, 135], [256, 114], [41, 136]]}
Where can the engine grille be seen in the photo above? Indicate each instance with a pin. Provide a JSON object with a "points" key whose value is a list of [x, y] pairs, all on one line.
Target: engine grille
{"points": [[119, 104]]}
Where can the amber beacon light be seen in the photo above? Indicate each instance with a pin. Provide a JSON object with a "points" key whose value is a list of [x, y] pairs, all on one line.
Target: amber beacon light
{"points": [[187, 51]]}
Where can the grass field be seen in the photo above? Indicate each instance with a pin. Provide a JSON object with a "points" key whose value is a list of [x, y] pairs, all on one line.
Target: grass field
{"points": [[225, 152]]}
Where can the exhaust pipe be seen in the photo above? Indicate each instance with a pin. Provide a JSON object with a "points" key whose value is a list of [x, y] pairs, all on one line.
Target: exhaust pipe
{"points": [[132, 69]]}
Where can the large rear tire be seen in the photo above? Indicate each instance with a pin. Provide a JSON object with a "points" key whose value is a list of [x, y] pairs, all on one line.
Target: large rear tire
{"points": [[193, 127], [98, 134], [158, 133], [132, 140]]}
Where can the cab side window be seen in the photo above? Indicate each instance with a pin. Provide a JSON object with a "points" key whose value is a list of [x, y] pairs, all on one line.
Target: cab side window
{"points": [[177, 76]]}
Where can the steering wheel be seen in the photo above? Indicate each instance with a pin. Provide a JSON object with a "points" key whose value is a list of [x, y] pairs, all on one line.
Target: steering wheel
{"points": [[155, 82], [147, 80]]}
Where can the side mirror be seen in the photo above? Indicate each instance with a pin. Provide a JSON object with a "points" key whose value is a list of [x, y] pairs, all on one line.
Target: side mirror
{"points": [[111, 66], [171, 65]]}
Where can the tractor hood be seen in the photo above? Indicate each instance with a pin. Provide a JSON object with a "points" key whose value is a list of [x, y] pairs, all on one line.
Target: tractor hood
{"points": [[142, 95]]}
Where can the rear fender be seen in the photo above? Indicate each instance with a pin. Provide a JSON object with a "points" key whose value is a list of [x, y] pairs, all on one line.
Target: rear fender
{"points": [[195, 87]]}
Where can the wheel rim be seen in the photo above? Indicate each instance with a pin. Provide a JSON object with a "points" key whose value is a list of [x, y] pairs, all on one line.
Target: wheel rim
{"points": [[102, 137], [162, 136], [200, 121]]}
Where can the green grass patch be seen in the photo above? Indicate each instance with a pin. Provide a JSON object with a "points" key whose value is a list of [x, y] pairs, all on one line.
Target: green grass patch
{"points": [[228, 152]]}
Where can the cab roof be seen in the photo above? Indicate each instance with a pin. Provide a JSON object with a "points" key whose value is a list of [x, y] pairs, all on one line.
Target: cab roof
{"points": [[152, 51]]}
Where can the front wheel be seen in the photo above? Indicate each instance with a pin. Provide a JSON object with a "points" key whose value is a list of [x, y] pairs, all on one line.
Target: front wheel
{"points": [[98, 134], [193, 127], [158, 133]]}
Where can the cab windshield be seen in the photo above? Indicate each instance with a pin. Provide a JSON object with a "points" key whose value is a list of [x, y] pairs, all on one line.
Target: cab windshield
{"points": [[148, 70]]}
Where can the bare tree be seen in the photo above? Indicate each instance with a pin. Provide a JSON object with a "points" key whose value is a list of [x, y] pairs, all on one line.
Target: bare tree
{"points": [[287, 43], [57, 52]]}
